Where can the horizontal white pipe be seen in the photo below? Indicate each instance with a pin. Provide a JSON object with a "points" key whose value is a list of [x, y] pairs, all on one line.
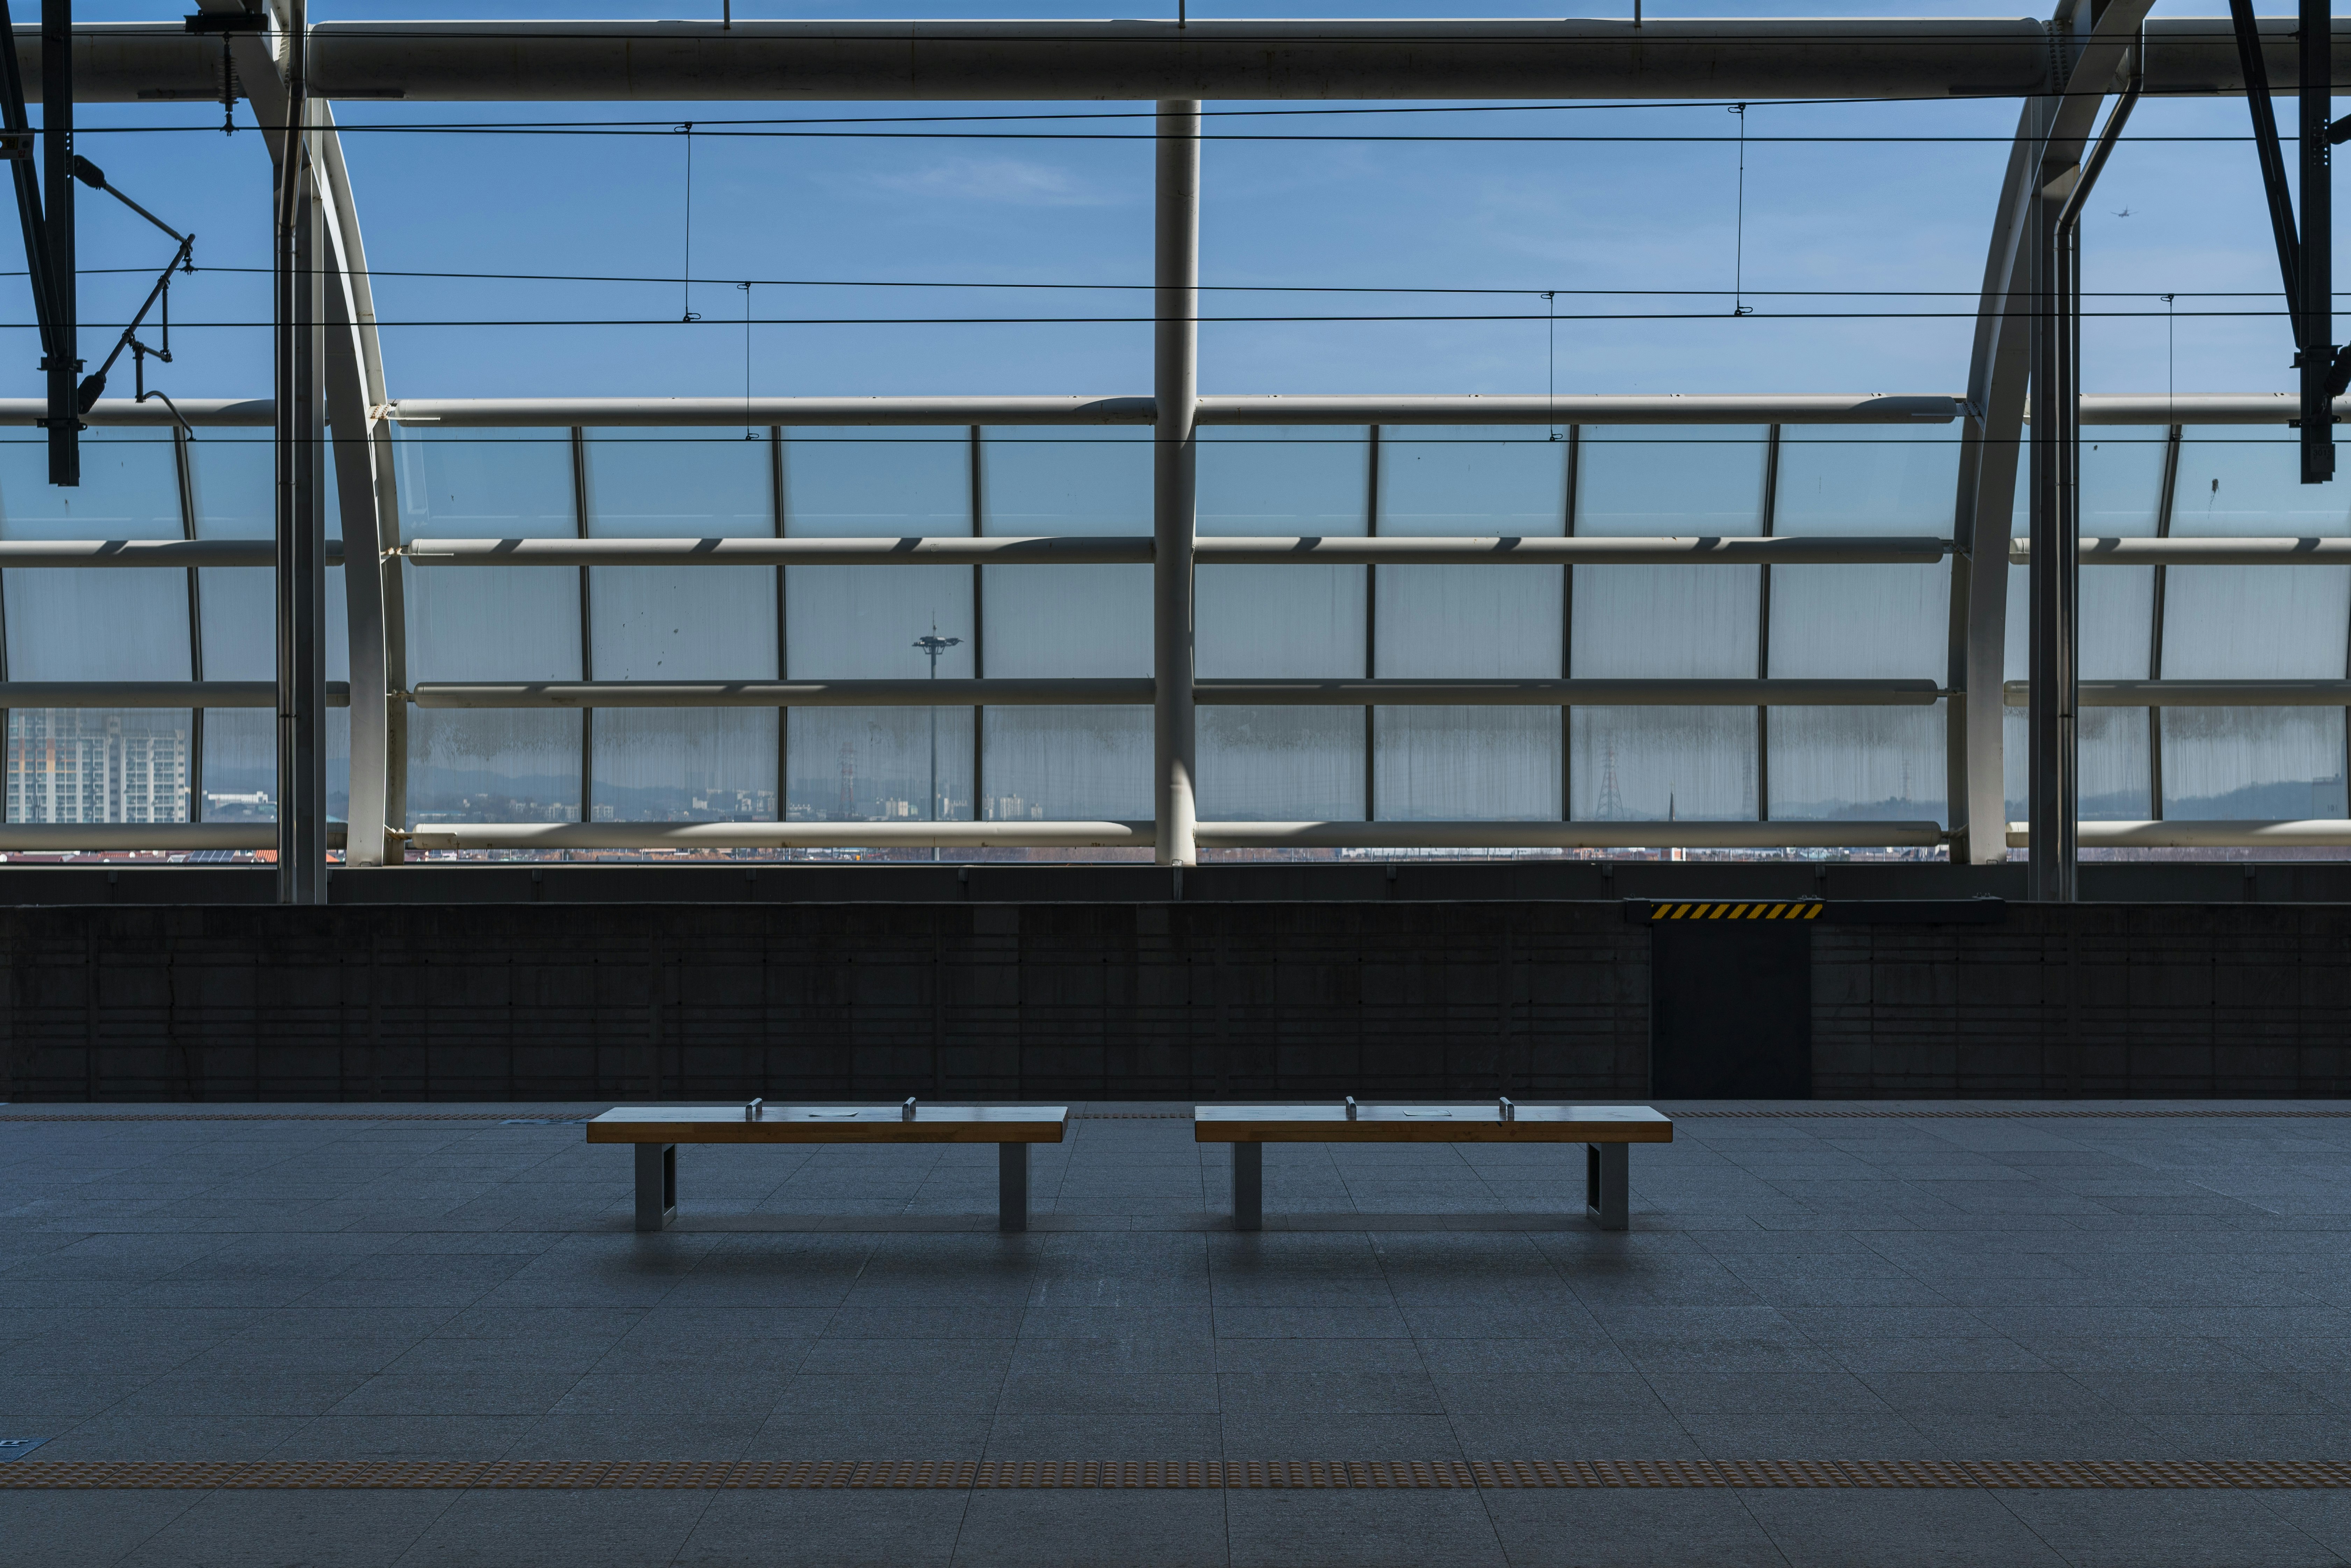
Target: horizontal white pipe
{"points": [[779, 835], [2200, 551], [2197, 693], [15, 553], [153, 694], [1139, 835], [1213, 550], [495, 60], [2315, 830], [1566, 835], [2196, 408], [52, 838], [1235, 409], [200, 412], [1137, 691]]}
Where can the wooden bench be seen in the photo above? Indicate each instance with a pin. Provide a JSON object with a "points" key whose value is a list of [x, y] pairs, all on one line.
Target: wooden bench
{"points": [[657, 1130], [1606, 1131]]}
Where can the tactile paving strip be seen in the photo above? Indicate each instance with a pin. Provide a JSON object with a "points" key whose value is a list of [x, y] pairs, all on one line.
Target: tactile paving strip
{"points": [[1092, 1475]]}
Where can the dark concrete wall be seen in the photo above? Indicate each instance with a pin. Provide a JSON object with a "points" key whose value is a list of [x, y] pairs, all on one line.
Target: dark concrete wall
{"points": [[1143, 1000]]}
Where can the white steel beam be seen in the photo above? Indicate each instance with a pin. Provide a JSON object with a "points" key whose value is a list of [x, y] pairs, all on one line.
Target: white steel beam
{"points": [[1113, 692], [2310, 832], [956, 549]]}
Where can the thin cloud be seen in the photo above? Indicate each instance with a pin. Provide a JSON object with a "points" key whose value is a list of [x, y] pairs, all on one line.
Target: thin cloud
{"points": [[1005, 181]]}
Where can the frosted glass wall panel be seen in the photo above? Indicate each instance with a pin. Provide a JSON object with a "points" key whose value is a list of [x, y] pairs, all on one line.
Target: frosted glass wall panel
{"points": [[1860, 623], [1659, 622], [1063, 764], [1878, 763], [2240, 480], [2113, 755], [2117, 623], [1281, 764], [1847, 479], [2253, 623], [1065, 479], [490, 766], [233, 475], [1304, 621], [517, 624], [1656, 620], [106, 624], [2121, 483], [879, 483], [240, 755], [861, 622], [671, 765], [1439, 764], [651, 624], [1283, 479], [1653, 764], [1863, 622], [1471, 480], [1645, 479], [1470, 620], [1072, 620], [2252, 764], [863, 764], [1067, 620], [91, 764]]}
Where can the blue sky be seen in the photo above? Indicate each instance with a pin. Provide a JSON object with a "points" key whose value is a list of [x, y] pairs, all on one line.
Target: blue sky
{"points": [[1842, 216]]}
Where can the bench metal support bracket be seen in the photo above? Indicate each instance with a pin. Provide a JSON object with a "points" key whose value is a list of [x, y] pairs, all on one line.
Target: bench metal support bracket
{"points": [[1604, 1196], [1012, 1186], [1249, 1187], [656, 1185]]}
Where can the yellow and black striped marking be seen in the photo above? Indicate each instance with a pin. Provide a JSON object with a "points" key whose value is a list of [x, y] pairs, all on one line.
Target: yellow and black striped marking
{"points": [[1179, 1475], [1800, 909]]}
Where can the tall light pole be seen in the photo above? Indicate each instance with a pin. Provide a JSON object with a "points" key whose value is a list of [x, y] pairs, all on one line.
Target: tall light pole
{"points": [[934, 645]]}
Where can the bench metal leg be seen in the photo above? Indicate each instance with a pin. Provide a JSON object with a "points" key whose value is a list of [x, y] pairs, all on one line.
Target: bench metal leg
{"points": [[1012, 1186], [1249, 1187], [656, 1185], [1604, 1183]]}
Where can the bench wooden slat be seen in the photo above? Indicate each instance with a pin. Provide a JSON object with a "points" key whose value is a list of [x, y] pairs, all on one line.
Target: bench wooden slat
{"points": [[1429, 1125], [831, 1125]]}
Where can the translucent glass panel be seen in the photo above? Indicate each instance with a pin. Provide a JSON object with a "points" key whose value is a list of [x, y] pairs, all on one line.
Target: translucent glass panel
{"points": [[863, 622], [2253, 763], [240, 764], [1046, 764], [506, 624], [1066, 619], [103, 623], [1436, 764], [2253, 623], [1661, 763], [493, 766], [2116, 780], [881, 764], [694, 765], [1281, 764], [682, 623], [1863, 622], [1470, 620], [1880, 763], [1294, 620]]}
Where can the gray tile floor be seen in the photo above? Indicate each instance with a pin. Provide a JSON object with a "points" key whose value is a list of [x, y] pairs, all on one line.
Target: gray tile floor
{"points": [[1893, 1288]]}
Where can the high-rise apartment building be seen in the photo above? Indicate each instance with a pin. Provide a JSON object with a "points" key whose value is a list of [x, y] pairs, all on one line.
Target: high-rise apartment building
{"points": [[80, 765]]}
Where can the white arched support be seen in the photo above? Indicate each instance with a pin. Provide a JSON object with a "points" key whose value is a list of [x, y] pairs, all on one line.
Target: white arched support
{"points": [[366, 492], [2051, 134]]}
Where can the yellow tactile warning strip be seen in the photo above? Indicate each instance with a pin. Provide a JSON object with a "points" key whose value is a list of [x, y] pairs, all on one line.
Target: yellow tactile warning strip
{"points": [[971, 1475], [1800, 909]]}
